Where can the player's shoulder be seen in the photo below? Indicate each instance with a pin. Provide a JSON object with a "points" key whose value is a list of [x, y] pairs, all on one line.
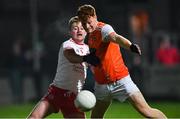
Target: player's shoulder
{"points": [[68, 44], [67, 41], [72, 43], [102, 25]]}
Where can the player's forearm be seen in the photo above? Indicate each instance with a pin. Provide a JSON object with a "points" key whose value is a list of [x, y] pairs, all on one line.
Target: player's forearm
{"points": [[125, 43], [73, 57], [122, 41]]}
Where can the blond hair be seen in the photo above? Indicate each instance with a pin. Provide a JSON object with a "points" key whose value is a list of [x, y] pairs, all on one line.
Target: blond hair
{"points": [[74, 19]]}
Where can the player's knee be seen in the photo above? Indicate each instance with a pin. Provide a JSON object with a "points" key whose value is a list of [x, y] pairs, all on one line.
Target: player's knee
{"points": [[147, 112], [34, 116]]}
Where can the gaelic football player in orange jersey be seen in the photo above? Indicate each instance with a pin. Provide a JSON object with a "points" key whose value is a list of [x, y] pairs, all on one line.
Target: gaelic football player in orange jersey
{"points": [[70, 76], [112, 76]]}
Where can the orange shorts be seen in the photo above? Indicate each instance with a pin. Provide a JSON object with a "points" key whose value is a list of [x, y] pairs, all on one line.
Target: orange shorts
{"points": [[62, 100]]}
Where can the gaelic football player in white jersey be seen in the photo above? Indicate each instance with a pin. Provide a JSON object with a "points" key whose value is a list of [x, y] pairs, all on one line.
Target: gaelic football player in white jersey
{"points": [[70, 76]]}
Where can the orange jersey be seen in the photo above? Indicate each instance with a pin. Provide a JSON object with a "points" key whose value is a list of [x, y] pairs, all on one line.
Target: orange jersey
{"points": [[112, 66]]}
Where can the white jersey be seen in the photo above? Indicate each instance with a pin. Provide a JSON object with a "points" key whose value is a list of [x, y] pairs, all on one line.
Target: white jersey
{"points": [[71, 76]]}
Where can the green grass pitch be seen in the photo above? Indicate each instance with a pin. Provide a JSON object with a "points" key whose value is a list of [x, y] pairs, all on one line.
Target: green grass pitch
{"points": [[116, 110]]}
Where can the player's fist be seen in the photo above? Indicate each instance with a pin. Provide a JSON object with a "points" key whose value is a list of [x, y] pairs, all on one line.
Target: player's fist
{"points": [[91, 59], [135, 48]]}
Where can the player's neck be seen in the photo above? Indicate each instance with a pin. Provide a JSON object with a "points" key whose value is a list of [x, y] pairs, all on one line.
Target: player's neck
{"points": [[78, 41]]}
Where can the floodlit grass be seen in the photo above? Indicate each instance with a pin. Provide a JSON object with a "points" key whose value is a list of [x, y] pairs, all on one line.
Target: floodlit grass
{"points": [[116, 110]]}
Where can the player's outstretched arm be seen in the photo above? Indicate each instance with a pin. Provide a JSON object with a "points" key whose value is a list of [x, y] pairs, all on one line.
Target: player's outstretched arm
{"points": [[125, 43], [74, 58]]}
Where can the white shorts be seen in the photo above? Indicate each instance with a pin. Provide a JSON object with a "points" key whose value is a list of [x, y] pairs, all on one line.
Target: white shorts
{"points": [[119, 90]]}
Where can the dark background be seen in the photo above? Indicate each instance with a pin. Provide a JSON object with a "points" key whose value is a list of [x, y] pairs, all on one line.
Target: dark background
{"points": [[46, 21]]}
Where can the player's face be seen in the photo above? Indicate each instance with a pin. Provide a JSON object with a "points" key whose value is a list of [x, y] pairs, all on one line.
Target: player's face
{"points": [[90, 24], [77, 32]]}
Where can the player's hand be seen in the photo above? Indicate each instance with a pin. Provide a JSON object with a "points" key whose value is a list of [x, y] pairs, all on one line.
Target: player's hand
{"points": [[135, 48], [92, 59]]}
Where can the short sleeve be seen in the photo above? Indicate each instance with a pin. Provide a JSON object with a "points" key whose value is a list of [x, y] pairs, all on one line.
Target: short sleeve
{"points": [[105, 31], [67, 45]]}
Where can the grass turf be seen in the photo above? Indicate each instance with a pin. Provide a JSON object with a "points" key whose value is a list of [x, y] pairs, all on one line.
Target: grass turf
{"points": [[116, 110]]}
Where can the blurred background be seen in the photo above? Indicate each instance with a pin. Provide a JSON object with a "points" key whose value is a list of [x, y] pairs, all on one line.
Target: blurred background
{"points": [[31, 32]]}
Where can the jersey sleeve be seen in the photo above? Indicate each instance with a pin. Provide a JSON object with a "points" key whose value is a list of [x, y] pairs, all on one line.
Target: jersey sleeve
{"points": [[105, 31], [67, 45]]}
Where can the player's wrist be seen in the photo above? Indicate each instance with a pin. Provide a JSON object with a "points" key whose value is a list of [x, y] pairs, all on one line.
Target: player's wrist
{"points": [[132, 47], [91, 59], [84, 58], [135, 48]]}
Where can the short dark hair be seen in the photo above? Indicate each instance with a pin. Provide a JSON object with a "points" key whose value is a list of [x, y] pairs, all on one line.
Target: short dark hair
{"points": [[86, 11]]}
